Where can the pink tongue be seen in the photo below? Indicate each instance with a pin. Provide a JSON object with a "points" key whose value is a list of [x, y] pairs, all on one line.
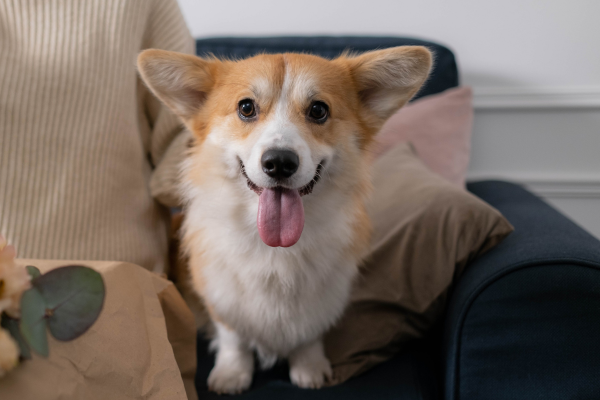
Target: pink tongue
{"points": [[280, 217]]}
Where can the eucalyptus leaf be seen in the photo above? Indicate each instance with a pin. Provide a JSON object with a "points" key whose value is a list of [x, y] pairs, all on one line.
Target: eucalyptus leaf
{"points": [[74, 296], [33, 271], [12, 326], [33, 321]]}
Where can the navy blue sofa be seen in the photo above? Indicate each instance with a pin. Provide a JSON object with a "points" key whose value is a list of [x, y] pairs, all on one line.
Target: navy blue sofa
{"points": [[523, 321]]}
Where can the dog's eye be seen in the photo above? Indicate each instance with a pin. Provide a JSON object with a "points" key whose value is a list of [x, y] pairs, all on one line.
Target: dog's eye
{"points": [[246, 109], [318, 112]]}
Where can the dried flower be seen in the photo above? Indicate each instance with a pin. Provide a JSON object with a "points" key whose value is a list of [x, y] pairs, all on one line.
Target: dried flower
{"points": [[14, 280], [9, 352]]}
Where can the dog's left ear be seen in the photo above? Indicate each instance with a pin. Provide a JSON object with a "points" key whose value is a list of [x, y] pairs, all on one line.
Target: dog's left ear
{"points": [[388, 79]]}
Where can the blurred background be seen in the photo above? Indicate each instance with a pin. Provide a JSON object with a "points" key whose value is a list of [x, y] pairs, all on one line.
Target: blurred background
{"points": [[534, 66]]}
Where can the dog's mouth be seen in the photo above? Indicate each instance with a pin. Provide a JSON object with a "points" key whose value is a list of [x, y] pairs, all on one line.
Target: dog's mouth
{"points": [[303, 191], [280, 218]]}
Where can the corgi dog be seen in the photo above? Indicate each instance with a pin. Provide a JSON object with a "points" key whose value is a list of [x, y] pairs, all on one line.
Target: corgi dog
{"points": [[275, 183]]}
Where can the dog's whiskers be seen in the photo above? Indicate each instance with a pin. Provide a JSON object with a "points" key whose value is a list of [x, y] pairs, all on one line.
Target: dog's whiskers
{"points": [[328, 175], [309, 187]]}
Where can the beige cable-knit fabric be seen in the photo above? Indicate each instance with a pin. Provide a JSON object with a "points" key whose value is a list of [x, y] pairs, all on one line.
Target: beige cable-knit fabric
{"points": [[80, 136]]}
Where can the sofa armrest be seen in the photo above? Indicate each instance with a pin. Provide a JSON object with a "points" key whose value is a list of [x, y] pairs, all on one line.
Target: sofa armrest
{"points": [[524, 319]]}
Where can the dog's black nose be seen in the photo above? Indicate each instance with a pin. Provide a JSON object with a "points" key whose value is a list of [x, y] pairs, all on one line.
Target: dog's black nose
{"points": [[280, 164]]}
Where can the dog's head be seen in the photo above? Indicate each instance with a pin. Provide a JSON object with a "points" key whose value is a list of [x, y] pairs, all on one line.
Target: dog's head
{"points": [[283, 120]]}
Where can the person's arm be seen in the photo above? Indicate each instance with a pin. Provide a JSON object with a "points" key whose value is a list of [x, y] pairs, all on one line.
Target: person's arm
{"points": [[163, 134]]}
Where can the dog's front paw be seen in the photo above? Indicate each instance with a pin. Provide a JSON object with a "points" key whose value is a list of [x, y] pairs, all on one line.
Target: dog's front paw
{"points": [[228, 379], [310, 376], [309, 367], [234, 364]]}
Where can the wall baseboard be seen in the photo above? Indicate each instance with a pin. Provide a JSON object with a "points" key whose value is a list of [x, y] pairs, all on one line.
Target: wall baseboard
{"points": [[578, 198], [558, 188], [571, 189], [578, 97]]}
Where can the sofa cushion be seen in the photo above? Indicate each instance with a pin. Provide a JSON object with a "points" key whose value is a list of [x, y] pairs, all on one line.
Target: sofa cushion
{"points": [[411, 375]]}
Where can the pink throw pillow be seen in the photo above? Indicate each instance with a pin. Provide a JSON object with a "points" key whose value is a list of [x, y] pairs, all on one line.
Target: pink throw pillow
{"points": [[439, 127]]}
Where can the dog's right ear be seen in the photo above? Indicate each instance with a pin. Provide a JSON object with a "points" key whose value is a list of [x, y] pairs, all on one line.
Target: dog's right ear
{"points": [[181, 81], [387, 79]]}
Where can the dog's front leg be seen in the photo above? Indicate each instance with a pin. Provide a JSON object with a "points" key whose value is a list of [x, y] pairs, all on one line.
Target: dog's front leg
{"points": [[308, 365], [234, 363]]}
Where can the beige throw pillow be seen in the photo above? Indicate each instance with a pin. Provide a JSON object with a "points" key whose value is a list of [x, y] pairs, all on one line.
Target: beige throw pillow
{"points": [[426, 230]]}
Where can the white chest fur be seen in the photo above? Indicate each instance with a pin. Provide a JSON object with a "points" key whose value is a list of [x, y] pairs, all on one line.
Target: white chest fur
{"points": [[274, 298]]}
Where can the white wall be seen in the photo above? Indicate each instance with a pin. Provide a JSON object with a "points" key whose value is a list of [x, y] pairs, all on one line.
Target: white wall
{"points": [[534, 66]]}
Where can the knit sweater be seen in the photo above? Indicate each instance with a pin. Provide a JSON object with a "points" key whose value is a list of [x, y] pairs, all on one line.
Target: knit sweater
{"points": [[81, 138]]}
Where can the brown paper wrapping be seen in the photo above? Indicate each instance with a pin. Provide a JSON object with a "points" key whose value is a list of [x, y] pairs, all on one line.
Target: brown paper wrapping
{"points": [[143, 345]]}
